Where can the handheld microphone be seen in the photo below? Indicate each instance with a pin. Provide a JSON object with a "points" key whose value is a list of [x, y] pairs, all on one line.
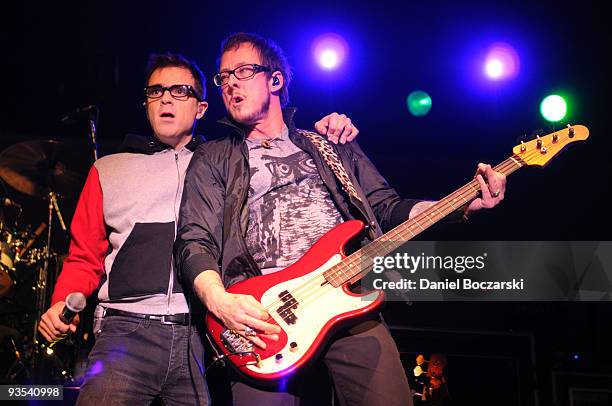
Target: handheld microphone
{"points": [[75, 302]]}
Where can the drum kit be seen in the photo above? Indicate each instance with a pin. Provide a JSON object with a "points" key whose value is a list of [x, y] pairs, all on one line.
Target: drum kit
{"points": [[42, 171]]}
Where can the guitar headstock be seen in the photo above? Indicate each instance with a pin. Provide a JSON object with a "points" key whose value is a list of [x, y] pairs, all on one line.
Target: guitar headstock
{"points": [[541, 150]]}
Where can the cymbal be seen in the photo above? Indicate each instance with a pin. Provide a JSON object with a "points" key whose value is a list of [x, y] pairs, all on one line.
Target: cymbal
{"points": [[42, 166]]}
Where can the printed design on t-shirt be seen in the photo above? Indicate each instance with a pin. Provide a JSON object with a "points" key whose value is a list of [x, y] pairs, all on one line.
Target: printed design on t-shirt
{"points": [[289, 208]]}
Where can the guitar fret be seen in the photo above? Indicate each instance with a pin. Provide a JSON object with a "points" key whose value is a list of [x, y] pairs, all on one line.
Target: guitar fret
{"points": [[348, 269]]}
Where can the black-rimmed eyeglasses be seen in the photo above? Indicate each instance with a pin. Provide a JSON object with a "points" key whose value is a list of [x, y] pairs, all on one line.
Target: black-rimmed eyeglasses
{"points": [[179, 92], [242, 72]]}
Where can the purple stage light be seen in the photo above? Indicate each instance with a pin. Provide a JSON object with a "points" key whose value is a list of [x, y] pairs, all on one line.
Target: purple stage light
{"points": [[329, 50], [501, 62], [494, 68]]}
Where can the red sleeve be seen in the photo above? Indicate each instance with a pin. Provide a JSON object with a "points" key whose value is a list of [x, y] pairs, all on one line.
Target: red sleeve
{"points": [[84, 265]]}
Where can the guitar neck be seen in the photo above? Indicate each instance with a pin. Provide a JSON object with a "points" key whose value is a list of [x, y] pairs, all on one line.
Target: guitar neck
{"points": [[358, 264]]}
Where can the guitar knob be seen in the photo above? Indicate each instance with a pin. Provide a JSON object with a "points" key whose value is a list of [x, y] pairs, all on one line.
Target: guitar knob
{"points": [[293, 347], [279, 358]]}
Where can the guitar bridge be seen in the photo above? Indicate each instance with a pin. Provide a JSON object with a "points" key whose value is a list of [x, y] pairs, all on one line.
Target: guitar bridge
{"points": [[234, 342]]}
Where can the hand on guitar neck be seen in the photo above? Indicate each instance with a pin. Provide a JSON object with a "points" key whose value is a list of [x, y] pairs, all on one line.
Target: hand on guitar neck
{"points": [[492, 189], [241, 313]]}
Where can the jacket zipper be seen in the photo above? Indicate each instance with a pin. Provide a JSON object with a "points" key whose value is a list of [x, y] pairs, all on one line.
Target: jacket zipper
{"points": [[178, 188], [244, 203]]}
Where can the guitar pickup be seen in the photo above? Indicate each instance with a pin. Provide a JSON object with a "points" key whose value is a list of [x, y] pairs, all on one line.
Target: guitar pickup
{"points": [[285, 311]]}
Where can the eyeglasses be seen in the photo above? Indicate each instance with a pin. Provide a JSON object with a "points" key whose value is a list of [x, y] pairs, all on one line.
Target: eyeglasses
{"points": [[242, 72], [179, 92]]}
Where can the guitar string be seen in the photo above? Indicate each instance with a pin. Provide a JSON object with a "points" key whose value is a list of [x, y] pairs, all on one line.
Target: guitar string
{"points": [[510, 164], [352, 259], [348, 261]]}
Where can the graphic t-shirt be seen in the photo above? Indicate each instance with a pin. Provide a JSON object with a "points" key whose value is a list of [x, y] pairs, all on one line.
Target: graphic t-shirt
{"points": [[289, 205]]}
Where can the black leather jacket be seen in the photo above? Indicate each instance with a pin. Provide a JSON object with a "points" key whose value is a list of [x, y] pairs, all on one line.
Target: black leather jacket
{"points": [[214, 213]]}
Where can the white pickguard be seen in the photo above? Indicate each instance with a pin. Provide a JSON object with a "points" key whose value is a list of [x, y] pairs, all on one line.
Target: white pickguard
{"points": [[316, 306]]}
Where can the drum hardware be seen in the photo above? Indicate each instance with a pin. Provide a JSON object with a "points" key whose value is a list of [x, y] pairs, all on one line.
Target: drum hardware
{"points": [[43, 272], [24, 249], [39, 167], [48, 170], [18, 364]]}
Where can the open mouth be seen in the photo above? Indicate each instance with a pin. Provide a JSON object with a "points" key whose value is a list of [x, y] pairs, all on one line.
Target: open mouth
{"points": [[237, 100], [166, 115]]}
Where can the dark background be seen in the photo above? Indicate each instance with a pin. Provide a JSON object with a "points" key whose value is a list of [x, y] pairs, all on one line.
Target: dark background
{"points": [[57, 57]]}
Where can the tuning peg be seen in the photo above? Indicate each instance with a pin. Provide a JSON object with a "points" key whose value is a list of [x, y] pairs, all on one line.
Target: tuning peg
{"points": [[543, 150], [523, 146], [538, 142], [571, 131], [555, 137]]}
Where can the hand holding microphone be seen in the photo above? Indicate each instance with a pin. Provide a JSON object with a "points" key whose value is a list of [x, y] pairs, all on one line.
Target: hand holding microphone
{"points": [[62, 317]]}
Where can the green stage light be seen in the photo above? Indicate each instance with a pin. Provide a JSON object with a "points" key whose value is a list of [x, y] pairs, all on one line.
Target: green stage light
{"points": [[419, 103], [553, 108]]}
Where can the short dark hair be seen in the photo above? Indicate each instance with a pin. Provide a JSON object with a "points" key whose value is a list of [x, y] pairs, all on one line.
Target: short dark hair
{"points": [[158, 61], [272, 56]]}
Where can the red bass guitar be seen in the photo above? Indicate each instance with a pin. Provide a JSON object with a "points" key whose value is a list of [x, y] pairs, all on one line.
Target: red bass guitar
{"points": [[311, 298]]}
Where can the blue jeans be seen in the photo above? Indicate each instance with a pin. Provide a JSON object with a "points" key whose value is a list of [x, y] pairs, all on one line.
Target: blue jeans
{"points": [[135, 360]]}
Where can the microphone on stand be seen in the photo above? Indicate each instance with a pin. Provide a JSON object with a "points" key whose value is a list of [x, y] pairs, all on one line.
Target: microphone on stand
{"points": [[93, 112], [71, 117]]}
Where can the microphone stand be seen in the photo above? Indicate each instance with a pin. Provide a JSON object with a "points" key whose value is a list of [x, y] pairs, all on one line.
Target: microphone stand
{"points": [[43, 272], [92, 117], [92, 131]]}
